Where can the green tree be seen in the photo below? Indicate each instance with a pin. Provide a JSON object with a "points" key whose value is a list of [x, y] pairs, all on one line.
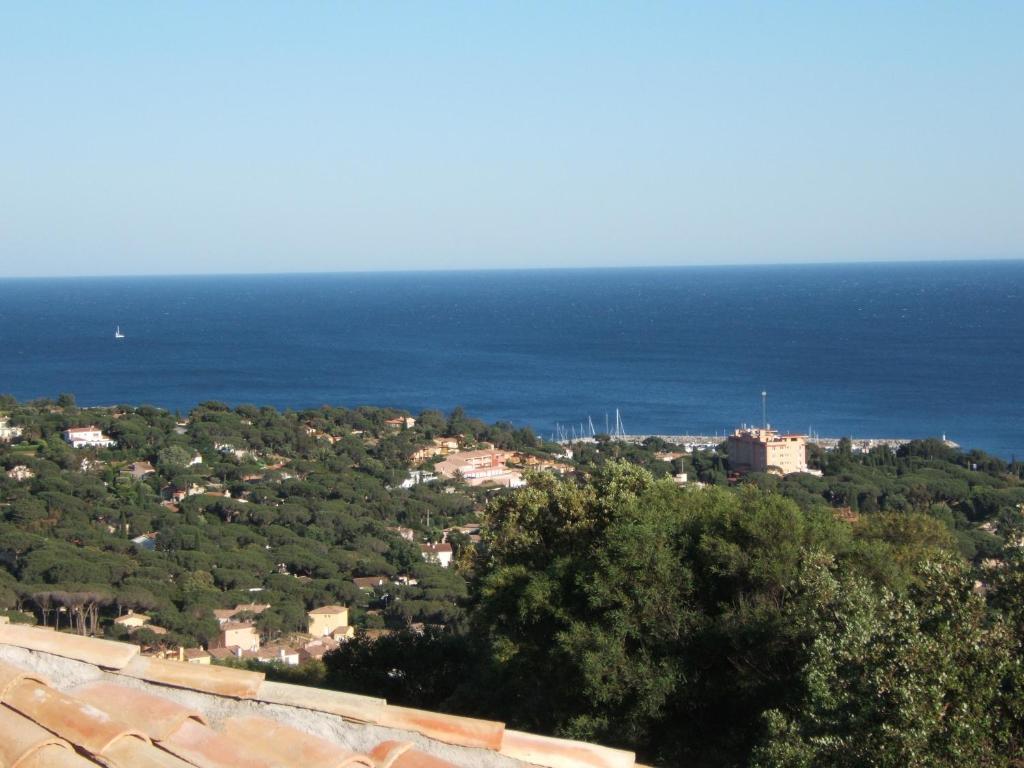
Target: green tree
{"points": [[917, 680]]}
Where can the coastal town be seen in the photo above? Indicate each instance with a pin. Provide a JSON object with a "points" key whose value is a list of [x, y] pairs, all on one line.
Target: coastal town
{"points": [[457, 465], [349, 548]]}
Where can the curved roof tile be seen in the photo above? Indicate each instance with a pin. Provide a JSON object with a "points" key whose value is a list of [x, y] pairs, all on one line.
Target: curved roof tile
{"points": [[222, 681], [155, 716], [81, 724], [102, 653], [114, 723], [291, 746], [11, 675], [21, 737], [52, 756]]}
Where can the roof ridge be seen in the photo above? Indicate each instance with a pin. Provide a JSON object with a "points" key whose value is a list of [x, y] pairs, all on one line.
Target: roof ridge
{"points": [[123, 659], [108, 654]]}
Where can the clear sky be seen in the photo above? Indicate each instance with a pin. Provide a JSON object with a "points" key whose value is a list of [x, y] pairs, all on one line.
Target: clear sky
{"points": [[180, 137]]}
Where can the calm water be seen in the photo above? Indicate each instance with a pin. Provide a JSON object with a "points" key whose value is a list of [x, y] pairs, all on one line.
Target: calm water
{"points": [[868, 350]]}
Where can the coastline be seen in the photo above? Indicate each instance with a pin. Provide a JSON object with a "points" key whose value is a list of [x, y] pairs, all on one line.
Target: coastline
{"points": [[699, 442]]}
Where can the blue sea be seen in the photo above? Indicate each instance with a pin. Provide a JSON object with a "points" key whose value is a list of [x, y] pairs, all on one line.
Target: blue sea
{"points": [[886, 350]]}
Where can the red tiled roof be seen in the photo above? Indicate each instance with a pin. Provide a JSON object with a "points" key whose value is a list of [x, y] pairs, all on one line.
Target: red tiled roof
{"points": [[229, 625], [368, 582], [329, 609], [121, 709], [228, 613], [445, 547]]}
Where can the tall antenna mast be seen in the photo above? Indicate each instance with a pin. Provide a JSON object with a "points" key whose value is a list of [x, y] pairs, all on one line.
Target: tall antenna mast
{"points": [[764, 408]]}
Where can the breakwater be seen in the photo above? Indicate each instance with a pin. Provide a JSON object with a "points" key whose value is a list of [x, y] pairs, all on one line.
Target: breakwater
{"points": [[704, 442]]}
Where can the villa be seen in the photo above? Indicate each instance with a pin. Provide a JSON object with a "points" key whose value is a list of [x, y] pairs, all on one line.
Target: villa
{"points": [[91, 436], [7, 432], [437, 553], [488, 466]]}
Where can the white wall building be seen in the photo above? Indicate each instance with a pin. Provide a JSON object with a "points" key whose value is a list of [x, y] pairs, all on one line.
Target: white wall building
{"points": [[80, 437], [7, 432]]}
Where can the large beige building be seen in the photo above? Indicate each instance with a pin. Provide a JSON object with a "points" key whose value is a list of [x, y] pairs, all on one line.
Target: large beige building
{"points": [[327, 619], [758, 450], [237, 635], [481, 467]]}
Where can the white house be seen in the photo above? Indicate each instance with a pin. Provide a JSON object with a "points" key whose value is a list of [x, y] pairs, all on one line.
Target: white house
{"points": [[80, 437], [437, 553], [20, 473], [416, 477], [7, 432]]}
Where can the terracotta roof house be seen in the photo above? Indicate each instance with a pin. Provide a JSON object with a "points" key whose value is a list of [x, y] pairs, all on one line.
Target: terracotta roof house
{"points": [[223, 654], [132, 619], [180, 493], [278, 653], [138, 470], [370, 582], [343, 633], [224, 615], [194, 656], [437, 553], [327, 619], [237, 634], [316, 649], [68, 701], [439, 446], [481, 467], [400, 422]]}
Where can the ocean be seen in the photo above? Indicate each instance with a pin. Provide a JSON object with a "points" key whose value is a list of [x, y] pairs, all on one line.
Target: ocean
{"points": [[869, 350]]}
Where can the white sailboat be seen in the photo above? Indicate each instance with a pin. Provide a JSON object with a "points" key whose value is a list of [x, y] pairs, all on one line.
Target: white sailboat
{"points": [[117, 333]]}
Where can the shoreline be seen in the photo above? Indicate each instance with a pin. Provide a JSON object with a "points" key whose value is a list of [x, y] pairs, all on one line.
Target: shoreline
{"points": [[701, 442]]}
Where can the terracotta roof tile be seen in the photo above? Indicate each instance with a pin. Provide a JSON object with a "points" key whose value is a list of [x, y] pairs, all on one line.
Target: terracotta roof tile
{"points": [[206, 747], [222, 681], [387, 752], [11, 675], [135, 753], [153, 715], [451, 729], [562, 753], [237, 625], [351, 706], [82, 724], [400, 754], [328, 609], [291, 746], [20, 737], [52, 756], [102, 653], [138, 725]]}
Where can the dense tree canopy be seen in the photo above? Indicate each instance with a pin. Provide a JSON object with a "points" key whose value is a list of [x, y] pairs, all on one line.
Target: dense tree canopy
{"points": [[869, 613]]}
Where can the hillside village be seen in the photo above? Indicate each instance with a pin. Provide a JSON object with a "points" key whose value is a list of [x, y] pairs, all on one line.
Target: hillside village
{"points": [[375, 513], [318, 525], [246, 534], [399, 556]]}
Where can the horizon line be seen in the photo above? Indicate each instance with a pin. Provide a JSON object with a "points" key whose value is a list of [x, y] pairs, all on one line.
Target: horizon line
{"points": [[473, 270]]}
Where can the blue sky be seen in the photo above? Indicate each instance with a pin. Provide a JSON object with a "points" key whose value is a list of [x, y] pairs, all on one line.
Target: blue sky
{"points": [[150, 138]]}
